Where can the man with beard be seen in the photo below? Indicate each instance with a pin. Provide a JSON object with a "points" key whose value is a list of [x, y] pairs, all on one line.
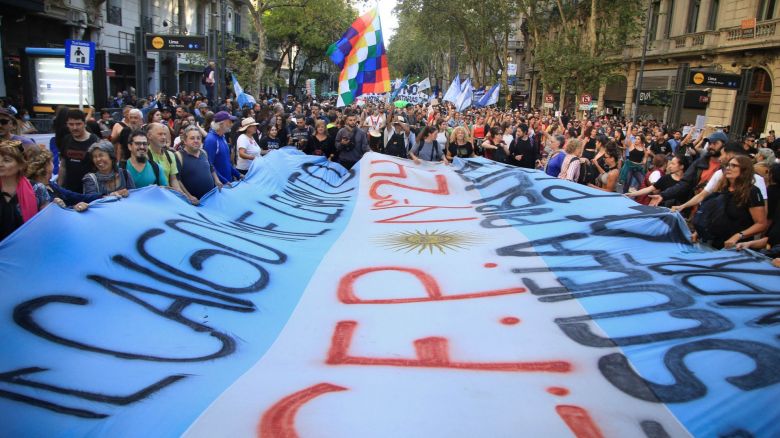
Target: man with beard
{"points": [[144, 171], [698, 174], [351, 143]]}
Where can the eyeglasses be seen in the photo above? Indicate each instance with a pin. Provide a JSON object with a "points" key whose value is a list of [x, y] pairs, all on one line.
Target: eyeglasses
{"points": [[140, 143], [733, 166]]}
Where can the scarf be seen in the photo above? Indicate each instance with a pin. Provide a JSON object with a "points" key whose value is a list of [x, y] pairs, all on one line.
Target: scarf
{"points": [[25, 194]]}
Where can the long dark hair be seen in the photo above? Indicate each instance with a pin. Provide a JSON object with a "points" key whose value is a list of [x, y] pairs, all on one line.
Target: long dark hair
{"points": [[425, 133], [743, 183]]}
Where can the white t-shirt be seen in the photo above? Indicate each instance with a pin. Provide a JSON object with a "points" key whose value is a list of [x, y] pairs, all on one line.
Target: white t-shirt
{"points": [[654, 176], [712, 184], [250, 147], [441, 138]]}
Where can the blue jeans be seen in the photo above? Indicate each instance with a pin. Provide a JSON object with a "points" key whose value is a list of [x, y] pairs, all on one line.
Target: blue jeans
{"points": [[634, 175]]}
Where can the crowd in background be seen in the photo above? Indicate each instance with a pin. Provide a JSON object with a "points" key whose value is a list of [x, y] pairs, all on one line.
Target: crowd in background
{"points": [[725, 186]]}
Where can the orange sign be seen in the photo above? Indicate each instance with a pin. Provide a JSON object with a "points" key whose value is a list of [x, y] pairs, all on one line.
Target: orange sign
{"points": [[750, 23]]}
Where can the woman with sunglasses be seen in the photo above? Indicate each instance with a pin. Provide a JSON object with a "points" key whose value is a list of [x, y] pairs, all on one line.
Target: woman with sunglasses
{"points": [[745, 212]]}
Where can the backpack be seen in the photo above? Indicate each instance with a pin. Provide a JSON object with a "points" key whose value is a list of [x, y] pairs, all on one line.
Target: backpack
{"points": [[588, 173], [155, 169], [711, 219]]}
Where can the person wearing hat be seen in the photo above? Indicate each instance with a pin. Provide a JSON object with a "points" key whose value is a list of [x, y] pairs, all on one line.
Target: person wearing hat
{"points": [[396, 138], [247, 148], [8, 129], [217, 148], [699, 173]]}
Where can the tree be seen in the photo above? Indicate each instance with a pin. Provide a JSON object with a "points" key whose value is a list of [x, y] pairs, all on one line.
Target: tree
{"points": [[302, 35], [576, 44], [258, 9], [473, 32]]}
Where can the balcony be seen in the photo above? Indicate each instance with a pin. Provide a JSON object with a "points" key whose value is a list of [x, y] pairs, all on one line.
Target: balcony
{"points": [[762, 31]]}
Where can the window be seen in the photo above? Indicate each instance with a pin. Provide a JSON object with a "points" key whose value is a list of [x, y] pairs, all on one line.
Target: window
{"points": [[237, 24], [114, 12], [668, 27], [712, 19], [656, 5], [693, 16], [766, 9]]}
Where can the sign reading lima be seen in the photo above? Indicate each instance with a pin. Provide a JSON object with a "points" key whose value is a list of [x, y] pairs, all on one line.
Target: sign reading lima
{"points": [[714, 80], [175, 43]]}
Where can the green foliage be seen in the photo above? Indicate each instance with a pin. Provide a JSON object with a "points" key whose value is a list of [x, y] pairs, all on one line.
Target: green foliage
{"points": [[566, 51], [306, 33], [431, 32], [241, 63]]}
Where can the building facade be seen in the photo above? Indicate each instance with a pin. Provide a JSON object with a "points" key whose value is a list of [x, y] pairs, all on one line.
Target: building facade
{"points": [[738, 37], [112, 25]]}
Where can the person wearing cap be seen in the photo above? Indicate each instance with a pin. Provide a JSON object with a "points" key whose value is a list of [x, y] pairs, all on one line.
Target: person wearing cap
{"points": [[106, 178], [246, 146], [8, 129], [728, 152], [699, 173], [396, 138], [217, 148]]}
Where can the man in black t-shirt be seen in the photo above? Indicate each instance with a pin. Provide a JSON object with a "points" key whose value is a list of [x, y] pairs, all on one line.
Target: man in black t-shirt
{"points": [[521, 151], [660, 146], [74, 161]]}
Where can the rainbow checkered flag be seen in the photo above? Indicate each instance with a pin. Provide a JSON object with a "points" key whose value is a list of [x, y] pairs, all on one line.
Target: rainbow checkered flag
{"points": [[361, 56]]}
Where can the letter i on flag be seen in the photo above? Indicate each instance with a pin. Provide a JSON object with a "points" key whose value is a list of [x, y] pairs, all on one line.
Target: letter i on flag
{"points": [[361, 56]]}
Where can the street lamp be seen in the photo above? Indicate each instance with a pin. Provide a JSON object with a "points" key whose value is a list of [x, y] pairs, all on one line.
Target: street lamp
{"points": [[642, 63]]}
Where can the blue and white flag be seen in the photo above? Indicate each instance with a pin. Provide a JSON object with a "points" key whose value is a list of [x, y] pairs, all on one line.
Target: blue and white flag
{"points": [[490, 98], [485, 301], [424, 84], [454, 91], [399, 88], [465, 97], [242, 99]]}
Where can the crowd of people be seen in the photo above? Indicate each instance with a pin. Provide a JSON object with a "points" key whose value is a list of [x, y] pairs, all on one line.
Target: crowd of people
{"points": [[726, 189]]}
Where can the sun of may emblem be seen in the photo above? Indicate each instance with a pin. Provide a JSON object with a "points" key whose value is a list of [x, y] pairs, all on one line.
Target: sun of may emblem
{"points": [[427, 240]]}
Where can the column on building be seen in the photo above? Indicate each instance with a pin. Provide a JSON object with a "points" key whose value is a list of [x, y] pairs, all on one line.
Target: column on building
{"points": [[628, 109]]}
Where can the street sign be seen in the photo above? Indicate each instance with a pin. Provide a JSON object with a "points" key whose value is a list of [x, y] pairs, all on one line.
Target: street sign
{"points": [[80, 54], [549, 98], [175, 43], [714, 80], [586, 99], [547, 105], [511, 69]]}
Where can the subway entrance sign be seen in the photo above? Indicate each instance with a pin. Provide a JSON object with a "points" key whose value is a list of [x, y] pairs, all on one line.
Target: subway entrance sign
{"points": [[714, 80], [175, 43]]}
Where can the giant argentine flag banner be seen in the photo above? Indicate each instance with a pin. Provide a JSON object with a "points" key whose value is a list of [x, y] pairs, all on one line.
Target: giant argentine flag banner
{"points": [[396, 300]]}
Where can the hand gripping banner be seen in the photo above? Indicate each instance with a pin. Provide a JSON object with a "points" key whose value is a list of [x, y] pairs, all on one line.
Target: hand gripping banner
{"points": [[394, 300]]}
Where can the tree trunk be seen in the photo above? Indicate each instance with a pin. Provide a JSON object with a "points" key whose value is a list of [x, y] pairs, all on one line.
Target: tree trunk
{"points": [[562, 102], [504, 71], [261, 48], [602, 92], [592, 27]]}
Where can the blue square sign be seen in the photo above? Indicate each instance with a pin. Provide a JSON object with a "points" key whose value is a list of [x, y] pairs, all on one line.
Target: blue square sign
{"points": [[80, 54]]}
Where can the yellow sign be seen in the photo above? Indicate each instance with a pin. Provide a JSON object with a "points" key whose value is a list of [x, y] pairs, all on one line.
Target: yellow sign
{"points": [[158, 42], [698, 78]]}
